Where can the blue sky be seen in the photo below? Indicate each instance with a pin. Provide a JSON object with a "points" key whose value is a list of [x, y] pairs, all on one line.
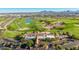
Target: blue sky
{"points": [[6, 10]]}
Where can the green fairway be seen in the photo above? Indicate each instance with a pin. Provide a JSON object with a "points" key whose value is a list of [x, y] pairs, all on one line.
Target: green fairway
{"points": [[71, 25], [11, 34], [2, 19], [13, 28], [17, 24]]}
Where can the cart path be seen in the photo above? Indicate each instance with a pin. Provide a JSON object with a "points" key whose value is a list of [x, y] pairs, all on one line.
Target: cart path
{"points": [[7, 22]]}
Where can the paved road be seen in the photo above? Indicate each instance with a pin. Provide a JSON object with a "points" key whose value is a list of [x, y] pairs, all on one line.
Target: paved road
{"points": [[7, 22]]}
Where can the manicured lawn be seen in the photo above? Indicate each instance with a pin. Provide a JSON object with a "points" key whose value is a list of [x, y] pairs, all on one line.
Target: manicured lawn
{"points": [[70, 26], [11, 34], [69, 23], [17, 24], [2, 19]]}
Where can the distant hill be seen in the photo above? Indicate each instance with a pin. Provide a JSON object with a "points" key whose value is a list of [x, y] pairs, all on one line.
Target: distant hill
{"points": [[55, 13]]}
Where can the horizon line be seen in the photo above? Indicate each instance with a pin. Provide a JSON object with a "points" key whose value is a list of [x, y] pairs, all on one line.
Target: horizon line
{"points": [[16, 10]]}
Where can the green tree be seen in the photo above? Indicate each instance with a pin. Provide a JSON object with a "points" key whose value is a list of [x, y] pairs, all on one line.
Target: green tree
{"points": [[30, 43], [18, 38]]}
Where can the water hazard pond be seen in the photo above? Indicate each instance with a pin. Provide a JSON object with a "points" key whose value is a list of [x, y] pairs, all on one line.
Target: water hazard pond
{"points": [[28, 20]]}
